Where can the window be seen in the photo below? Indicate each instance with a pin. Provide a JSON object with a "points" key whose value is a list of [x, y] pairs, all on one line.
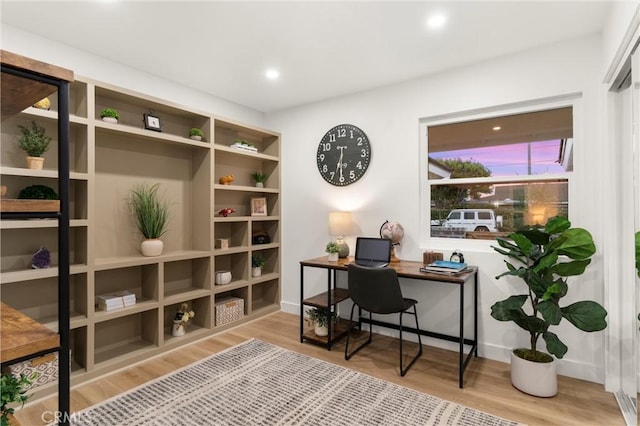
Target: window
{"points": [[494, 174]]}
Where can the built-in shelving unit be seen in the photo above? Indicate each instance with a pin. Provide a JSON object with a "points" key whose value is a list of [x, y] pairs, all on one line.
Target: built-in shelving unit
{"points": [[106, 161]]}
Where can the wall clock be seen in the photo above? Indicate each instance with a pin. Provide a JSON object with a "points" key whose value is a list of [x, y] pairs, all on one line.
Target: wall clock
{"points": [[151, 122], [343, 155]]}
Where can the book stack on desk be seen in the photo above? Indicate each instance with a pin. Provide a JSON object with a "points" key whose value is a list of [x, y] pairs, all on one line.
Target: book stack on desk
{"points": [[444, 267]]}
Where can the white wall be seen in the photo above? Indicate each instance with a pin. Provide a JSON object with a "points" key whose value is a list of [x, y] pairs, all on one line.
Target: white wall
{"points": [[390, 188], [93, 66]]}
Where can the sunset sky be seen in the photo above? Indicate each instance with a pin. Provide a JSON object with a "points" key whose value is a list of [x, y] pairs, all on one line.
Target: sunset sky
{"points": [[511, 160]]}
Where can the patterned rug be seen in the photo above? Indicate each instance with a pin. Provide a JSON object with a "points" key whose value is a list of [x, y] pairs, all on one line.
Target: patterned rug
{"points": [[256, 383]]}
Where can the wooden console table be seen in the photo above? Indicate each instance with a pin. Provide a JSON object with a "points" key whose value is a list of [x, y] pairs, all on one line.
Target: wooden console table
{"points": [[405, 269], [22, 337]]}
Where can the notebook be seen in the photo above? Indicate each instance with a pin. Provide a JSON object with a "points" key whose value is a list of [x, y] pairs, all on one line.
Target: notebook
{"points": [[373, 252]]}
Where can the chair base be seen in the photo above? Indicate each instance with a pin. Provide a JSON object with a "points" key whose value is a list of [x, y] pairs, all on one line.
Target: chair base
{"points": [[403, 370]]}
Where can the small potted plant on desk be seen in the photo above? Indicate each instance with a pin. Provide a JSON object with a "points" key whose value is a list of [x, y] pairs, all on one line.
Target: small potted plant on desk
{"points": [[34, 142], [332, 249], [539, 253], [13, 390], [319, 318]]}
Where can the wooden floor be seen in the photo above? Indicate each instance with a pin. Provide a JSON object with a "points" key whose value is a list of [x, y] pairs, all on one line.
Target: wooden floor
{"points": [[487, 386]]}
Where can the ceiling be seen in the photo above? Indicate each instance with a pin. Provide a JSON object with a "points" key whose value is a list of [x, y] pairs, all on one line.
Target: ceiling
{"points": [[322, 49]]}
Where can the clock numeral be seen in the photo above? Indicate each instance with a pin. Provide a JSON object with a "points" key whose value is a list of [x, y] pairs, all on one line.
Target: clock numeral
{"points": [[359, 141], [332, 137], [352, 174], [332, 175], [342, 133], [341, 179], [363, 153], [359, 165], [325, 169], [326, 147], [321, 157], [351, 134]]}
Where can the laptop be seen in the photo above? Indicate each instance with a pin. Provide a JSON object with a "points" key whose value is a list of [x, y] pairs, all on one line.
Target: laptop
{"points": [[373, 252]]}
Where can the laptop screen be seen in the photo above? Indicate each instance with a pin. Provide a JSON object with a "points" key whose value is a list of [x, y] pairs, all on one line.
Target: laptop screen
{"points": [[373, 249]]}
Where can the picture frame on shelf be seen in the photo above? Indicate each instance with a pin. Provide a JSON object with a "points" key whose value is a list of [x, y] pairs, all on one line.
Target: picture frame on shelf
{"points": [[152, 122], [259, 206]]}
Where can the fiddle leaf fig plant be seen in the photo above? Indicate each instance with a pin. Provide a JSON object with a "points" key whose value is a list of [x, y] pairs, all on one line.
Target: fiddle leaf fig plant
{"points": [[543, 258]]}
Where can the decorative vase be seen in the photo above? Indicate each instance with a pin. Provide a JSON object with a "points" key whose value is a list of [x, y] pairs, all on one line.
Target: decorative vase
{"points": [[178, 328], [35, 163], [332, 257], [196, 137], [534, 378], [112, 120], [152, 247], [256, 271], [223, 277], [321, 331], [259, 185]]}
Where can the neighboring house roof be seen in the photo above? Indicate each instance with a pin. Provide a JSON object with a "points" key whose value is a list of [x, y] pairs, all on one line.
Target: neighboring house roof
{"points": [[438, 170]]}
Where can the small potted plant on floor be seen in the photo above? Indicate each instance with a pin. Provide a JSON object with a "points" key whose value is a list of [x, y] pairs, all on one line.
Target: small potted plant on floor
{"points": [[109, 115], [13, 390], [257, 263], [332, 249], [544, 258], [196, 134], [34, 142], [152, 216], [260, 178], [319, 318]]}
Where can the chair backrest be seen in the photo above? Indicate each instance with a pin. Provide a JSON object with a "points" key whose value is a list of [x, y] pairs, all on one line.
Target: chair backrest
{"points": [[375, 290]]}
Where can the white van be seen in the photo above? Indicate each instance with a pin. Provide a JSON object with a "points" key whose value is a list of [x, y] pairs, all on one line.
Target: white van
{"points": [[471, 220]]}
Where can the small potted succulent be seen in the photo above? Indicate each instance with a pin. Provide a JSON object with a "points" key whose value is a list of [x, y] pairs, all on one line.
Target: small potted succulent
{"points": [[196, 134], [257, 263], [260, 179], [333, 249], [109, 115], [35, 143], [13, 390], [318, 318]]}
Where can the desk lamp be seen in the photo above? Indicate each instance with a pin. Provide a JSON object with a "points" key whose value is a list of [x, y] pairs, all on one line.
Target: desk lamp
{"points": [[340, 225]]}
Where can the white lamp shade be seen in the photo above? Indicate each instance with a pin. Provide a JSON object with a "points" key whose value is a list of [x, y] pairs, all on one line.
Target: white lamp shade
{"points": [[340, 223]]}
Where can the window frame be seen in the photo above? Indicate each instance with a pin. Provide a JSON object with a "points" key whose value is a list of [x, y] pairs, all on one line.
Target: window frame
{"points": [[573, 100]]}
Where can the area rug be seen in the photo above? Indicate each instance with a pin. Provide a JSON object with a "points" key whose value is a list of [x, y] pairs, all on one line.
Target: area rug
{"points": [[256, 383]]}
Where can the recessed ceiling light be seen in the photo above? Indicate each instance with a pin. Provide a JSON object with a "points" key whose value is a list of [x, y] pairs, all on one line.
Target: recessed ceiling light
{"points": [[272, 74], [496, 128], [436, 21]]}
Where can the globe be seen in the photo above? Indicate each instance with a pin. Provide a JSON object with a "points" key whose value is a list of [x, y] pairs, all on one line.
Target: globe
{"points": [[392, 231]]}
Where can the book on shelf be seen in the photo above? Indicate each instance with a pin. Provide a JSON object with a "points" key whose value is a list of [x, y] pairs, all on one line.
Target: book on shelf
{"points": [[119, 300], [244, 147], [444, 267]]}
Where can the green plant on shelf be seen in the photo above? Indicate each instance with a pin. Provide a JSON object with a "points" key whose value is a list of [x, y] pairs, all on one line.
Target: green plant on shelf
{"points": [[151, 213], [33, 141], [257, 261], [318, 317], [259, 177], [196, 132], [109, 112]]}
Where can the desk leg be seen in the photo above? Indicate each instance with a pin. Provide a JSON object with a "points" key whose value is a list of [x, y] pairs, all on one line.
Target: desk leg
{"points": [[461, 348], [329, 327]]}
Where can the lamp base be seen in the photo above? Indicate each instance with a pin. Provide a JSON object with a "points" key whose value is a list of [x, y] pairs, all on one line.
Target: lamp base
{"points": [[344, 249]]}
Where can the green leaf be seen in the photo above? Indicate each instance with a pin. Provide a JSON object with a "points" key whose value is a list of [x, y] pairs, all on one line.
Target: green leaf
{"points": [[531, 324], [536, 236], [503, 310], [550, 311], [538, 284], [554, 344], [586, 315], [546, 262], [523, 243], [579, 244], [557, 225], [575, 267]]}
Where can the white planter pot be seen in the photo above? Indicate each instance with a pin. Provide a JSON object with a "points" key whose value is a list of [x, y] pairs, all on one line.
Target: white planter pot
{"points": [[35, 163], [534, 378], [332, 257], [178, 328], [152, 248], [256, 272], [223, 277], [321, 331], [110, 120], [196, 137], [259, 185]]}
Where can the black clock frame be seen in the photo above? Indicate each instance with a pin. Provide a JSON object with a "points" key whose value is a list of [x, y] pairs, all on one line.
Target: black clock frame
{"points": [[344, 155]]}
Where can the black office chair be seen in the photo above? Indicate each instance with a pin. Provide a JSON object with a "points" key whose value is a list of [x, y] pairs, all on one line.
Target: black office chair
{"points": [[377, 291]]}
